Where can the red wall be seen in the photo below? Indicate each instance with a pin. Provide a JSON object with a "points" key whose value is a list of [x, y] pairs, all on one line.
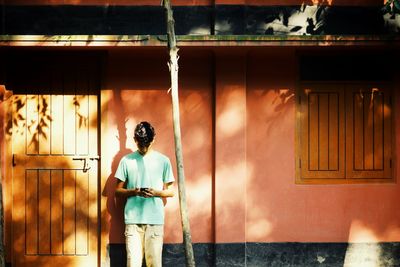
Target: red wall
{"points": [[278, 210], [136, 89], [238, 130], [238, 123]]}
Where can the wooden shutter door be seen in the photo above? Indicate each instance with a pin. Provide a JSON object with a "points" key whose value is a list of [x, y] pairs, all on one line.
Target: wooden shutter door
{"points": [[321, 131], [55, 170], [369, 138]]}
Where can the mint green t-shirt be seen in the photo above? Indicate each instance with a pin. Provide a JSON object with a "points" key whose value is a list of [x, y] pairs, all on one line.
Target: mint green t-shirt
{"points": [[149, 171]]}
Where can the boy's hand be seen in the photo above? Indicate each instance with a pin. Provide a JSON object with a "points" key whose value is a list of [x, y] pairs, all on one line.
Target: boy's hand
{"points": [[149, 192], [135, 192]]}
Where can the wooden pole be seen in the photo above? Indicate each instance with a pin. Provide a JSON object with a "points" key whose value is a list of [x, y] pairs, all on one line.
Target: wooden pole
{"points": [[173, 69]]}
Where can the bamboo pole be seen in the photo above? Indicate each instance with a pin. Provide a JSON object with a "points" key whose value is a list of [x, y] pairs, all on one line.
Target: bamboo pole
{"points": [[173, 68]]}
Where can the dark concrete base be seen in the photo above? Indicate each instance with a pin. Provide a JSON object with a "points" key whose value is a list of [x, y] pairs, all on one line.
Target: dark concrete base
{"points": [[276, 254]]}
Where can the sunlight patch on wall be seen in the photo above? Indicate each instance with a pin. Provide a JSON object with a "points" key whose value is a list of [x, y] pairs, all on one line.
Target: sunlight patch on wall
{"points": [[359, 232], [231, 118], [363, 249], [110, 136], [222, 26], [392, 22], [196, 138], [297, 23], [258, 226], [130, 129], [230, 121], [259, 229], [233, 185], [202, 30], [200, 193]]}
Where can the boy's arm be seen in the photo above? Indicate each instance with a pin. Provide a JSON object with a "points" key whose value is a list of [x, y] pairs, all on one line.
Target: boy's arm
{"points": [[168, 191], [121, 191]]}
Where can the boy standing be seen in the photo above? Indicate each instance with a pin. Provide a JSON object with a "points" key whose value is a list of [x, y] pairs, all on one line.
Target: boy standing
{"points": [[144, 178]]}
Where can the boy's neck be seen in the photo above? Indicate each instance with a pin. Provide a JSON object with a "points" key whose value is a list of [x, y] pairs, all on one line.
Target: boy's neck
{"points": [[145, 151]]}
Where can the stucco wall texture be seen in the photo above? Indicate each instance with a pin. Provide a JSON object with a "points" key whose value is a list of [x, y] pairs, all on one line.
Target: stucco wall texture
{"points": [[238, 130]]}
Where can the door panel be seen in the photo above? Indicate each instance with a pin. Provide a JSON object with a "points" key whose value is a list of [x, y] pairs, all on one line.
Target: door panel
{"points": [[55, 179]]}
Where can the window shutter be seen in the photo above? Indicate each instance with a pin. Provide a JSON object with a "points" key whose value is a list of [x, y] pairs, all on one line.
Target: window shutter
{"points": [[369, 133], [321, 131]]}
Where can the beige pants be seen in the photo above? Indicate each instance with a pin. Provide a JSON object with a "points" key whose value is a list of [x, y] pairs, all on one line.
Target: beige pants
{"points": [[144, 239]]}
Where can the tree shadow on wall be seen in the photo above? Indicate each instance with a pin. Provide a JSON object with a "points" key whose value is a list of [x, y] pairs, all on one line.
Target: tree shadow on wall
{"points": [[50, 196], [47, 85], [115, 205]]}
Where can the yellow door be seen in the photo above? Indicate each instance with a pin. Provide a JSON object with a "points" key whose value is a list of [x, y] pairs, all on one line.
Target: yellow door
{"points": [[55, 174]]}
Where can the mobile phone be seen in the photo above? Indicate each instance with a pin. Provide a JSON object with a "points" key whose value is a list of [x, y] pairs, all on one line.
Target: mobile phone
{"points": [[143, 189]]}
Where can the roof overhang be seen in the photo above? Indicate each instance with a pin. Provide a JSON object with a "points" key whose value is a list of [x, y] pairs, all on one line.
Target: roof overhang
{"points": [[191, 40]]}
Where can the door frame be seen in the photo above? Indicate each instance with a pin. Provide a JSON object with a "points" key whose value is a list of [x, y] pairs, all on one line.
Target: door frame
{"points": [[6, 148]]}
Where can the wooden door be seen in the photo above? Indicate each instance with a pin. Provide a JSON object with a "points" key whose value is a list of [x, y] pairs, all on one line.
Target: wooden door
{"points": [[55, 173]]}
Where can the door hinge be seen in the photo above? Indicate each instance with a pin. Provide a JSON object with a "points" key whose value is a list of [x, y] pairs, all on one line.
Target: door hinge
{"points": [[390, 163], [299, 163]]}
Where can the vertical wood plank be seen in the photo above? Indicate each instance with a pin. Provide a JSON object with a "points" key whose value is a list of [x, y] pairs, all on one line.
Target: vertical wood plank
{"points": [[82, 124], [323, 136], [57, 125], [313, 131], [69, 114], [31, 209], [56, 212], [44, 211], [44, 124], [333, 131], [378, 130], [32, 120], [387, 132], [93, 131], [19, 128], [82, 213], [368, 131], [358, 131], [342, 139], [69, 212], [82, 112], [69, 125]]}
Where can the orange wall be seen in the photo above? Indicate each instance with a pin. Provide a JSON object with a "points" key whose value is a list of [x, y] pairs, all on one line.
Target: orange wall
{"points": [[136, 89], [278, 210], [238, 130], [230, 146], [240, 168]]}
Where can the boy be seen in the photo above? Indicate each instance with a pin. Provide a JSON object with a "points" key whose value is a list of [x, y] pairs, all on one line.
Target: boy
{"points": [[144, 178]]}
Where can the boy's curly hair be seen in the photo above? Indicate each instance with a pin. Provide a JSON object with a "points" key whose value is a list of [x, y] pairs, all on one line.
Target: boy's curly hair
{"points": [[144, 133]]}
